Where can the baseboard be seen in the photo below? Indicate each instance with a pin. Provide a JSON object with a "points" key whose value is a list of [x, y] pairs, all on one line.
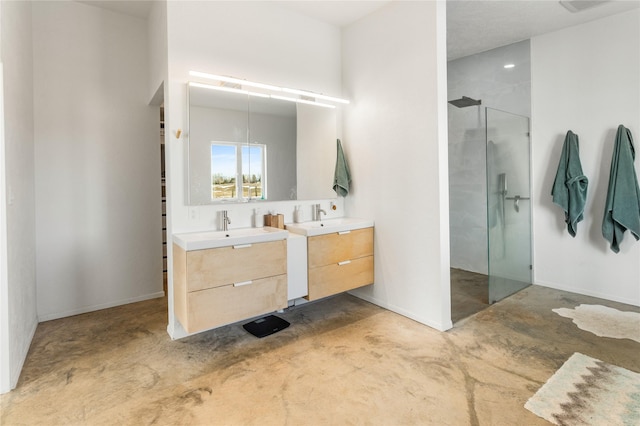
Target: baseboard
{"points": [[588, 293], [84, 310], [17, 369], [404, 313], [177, 331]]}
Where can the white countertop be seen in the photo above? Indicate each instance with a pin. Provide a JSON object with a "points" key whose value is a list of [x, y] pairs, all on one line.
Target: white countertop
{"points": [[214, 239]]}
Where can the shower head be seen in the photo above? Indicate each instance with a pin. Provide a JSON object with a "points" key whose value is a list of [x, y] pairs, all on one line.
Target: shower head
{"points": [[465, 102]]}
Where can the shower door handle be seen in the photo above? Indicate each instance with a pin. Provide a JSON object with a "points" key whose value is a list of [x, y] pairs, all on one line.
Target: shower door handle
{"points": [[516, 201]]}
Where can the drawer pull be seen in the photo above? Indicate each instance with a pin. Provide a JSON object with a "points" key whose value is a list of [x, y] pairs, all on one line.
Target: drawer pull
{"points": [[241, 246], [344, 232], [344, 262], [242, 283]]}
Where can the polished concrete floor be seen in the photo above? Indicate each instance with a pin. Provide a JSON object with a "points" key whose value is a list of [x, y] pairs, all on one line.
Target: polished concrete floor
{"points": [[342, 361], [469, 293]]}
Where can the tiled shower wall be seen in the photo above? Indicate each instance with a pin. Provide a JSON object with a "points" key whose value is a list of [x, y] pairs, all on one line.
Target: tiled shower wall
{"points": [[481, 76]]}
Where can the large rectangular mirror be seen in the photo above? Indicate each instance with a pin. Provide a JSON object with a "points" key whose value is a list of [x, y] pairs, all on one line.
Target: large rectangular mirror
{"points": [[249, 148]]}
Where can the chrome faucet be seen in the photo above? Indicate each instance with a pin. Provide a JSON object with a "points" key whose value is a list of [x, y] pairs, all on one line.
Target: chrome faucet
{"points": [[317, 211], [225, 221]]}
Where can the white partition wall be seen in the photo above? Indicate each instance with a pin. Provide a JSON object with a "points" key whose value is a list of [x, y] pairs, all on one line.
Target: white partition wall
{"points": [[395, 136], [18, 316]]}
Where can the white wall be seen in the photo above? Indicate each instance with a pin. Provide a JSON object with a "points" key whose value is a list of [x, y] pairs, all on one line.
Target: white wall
{"points": [[396, 137], [157, 47], [97, 159], [257, 41], [481, 76], [585, 79], [18, 319]]}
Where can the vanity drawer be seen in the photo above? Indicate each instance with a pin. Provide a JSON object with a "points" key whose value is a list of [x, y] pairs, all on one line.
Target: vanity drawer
{"points": [[227, 265], [336, 278], [223, 305], [333, 248]]}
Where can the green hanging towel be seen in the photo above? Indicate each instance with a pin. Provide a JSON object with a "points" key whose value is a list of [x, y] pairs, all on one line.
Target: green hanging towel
{"points": [[342, 176], [570, 186], [622, 208]]}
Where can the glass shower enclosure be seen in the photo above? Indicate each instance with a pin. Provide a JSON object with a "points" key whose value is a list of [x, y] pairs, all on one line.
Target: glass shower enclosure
{"points": [[508, 203]]}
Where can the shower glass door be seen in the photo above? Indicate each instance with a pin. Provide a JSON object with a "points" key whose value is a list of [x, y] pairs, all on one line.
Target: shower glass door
{"points": [[508, 203]]}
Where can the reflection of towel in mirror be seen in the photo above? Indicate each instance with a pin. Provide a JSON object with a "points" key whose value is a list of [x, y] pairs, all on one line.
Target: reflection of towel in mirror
{"points": [[622, 209], [342, 175], [570, 186]]}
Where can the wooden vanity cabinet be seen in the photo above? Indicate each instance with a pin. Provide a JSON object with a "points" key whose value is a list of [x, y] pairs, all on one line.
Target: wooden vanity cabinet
{"points": [[339, 262], [215, 287]]}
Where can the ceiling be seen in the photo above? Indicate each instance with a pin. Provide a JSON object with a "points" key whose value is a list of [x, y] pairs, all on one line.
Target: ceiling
{"points": [[477, 26], [338, 13], [473, 26]]}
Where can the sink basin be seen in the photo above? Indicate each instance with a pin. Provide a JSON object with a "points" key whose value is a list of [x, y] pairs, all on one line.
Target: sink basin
{"points": [[329, 226], [214, 239]]}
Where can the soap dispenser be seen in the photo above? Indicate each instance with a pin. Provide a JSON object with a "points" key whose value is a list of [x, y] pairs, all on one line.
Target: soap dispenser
{"points": [[297, 215]]}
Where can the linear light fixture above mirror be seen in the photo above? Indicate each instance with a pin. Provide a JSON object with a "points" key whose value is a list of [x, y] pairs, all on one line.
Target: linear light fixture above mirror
{"points": [[228, 89], [307, 97], [302, 101], [315, 95], [234, 80]]}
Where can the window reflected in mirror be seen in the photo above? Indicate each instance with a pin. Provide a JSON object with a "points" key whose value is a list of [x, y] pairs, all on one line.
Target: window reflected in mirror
{"points": [[238, 171]]}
